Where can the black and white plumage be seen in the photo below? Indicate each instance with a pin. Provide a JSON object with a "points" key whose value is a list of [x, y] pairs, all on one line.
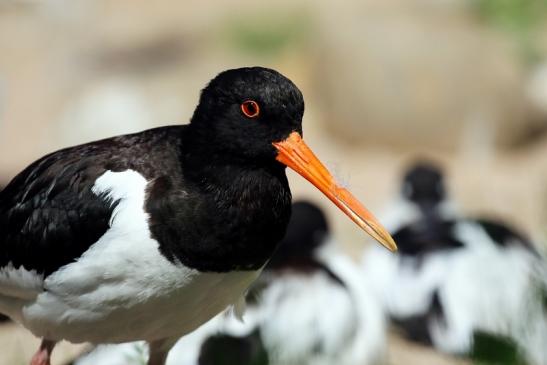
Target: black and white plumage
{"points": [[455, 277], [147, 236], [309, 306], [3, 318]]}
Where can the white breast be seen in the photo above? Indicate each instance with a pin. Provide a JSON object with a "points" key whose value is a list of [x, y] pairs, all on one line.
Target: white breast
{"points": [[122, 288]]}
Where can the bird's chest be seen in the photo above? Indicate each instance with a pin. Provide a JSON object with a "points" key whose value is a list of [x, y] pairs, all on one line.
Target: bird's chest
{"points": [[236, 227]]}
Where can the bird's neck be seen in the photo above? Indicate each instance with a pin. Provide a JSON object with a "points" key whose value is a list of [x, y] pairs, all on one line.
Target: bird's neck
{"points": [[250, 201]]}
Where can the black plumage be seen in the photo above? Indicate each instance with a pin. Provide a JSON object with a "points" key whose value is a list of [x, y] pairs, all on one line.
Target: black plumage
{"points": [[48, 214], [306, 233], [423, 185], [504, 234], [225, 349]]}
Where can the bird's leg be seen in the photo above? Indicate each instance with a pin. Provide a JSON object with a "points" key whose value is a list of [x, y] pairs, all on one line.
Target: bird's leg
{"points": [[158, 351], [42, 356]]}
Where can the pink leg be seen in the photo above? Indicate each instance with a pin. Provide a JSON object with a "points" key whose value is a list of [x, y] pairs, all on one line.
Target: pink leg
{"points": [[159, 350], [42, 356]]}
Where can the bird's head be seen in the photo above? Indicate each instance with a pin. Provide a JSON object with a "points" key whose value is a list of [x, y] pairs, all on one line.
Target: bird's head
{"points": [[307, 232], [423, 185], [245, 110], [254, 114]]}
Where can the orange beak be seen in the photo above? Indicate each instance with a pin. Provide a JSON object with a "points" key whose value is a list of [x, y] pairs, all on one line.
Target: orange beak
{"points": [[294, 153]]}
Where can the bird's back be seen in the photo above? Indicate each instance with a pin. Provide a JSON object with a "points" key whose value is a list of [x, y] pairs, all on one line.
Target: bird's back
{"points": [[49, 213]]}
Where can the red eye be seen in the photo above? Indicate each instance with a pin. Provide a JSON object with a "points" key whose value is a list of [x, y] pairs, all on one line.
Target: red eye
{"points": [[250, 108]]}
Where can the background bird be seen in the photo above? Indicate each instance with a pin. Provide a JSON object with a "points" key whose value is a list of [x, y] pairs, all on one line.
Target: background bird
{"points": [[147, 236], [3, 318], [309, 306], [456, 278]]}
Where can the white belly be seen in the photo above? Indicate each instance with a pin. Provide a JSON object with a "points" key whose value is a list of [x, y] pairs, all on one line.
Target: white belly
{"points": [[146, 307]]}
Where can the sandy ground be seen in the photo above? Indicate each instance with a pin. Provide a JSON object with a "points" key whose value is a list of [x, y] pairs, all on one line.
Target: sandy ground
{"points": [[18, 345]]}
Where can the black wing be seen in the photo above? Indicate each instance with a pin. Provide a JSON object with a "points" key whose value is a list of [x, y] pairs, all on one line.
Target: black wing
{"points": [[426, 236], [504, 235], [417, 327], [49, 215]]}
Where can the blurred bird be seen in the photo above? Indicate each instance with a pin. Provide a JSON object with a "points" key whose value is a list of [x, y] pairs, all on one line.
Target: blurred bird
{"points": [[3, 318], [422, 197], [225, 349], [149, 235], [309, 306], [454, 278]]}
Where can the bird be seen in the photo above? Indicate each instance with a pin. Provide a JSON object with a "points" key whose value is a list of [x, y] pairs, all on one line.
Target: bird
{"points": [[146, 236], [456, 278], [309, 306]]}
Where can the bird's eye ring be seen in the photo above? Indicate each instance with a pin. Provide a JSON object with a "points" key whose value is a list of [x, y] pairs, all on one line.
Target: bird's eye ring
{"points": [[250, 109]]}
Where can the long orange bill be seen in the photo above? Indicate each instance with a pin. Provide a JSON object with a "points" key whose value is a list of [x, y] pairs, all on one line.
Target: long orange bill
{"points": [[294, 153]]}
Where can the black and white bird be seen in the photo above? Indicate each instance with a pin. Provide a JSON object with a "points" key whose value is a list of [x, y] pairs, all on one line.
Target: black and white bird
{"points": [[3, 318], [309, 306], [454, 277], [149, 235]]}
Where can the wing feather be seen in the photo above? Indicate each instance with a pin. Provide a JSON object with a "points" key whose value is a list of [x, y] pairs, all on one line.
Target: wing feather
{"points": [[49, 214]]}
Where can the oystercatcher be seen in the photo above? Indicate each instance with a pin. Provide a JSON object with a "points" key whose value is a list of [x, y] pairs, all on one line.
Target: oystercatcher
{"points": [[147, 236], [457, 278], [308, 306], [422, 196]]}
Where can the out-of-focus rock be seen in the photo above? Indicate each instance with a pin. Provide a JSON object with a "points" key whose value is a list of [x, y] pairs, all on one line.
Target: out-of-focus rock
{"points": [[418, 73]]}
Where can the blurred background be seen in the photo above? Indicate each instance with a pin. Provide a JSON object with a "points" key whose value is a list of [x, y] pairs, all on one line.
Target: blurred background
{"points": [[462, 82]]}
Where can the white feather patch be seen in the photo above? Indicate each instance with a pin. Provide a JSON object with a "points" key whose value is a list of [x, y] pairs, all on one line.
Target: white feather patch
{"points": [[19, 282]]}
